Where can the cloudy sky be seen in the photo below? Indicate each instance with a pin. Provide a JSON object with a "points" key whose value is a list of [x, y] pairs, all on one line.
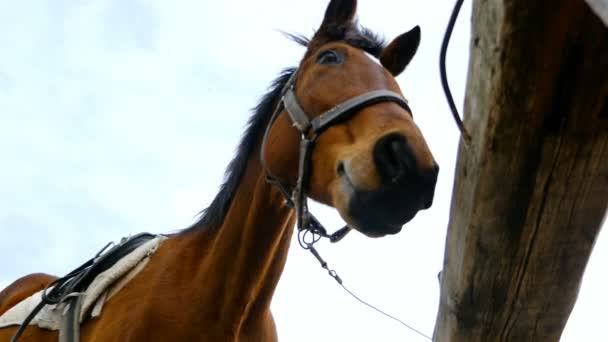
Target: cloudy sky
{"points": [[118, 117]]}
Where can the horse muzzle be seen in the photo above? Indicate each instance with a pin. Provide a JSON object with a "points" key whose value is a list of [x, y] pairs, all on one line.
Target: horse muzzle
{"points": [[404, 189]]}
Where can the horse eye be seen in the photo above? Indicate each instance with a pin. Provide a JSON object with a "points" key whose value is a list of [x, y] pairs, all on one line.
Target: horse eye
{"points": [[330, 57]]}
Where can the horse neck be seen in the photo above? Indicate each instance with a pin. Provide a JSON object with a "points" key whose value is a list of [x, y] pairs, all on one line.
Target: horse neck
{"points": [[246, 254]]}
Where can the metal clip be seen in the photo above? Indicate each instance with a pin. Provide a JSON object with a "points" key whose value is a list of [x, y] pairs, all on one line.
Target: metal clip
{"points": [[332, 273]]}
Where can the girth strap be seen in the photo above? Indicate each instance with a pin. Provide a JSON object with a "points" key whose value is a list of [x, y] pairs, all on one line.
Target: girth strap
{"points": [[70, 323]]}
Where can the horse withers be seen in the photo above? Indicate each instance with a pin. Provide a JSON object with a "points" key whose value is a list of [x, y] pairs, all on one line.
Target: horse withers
{"points": [[367, 158]]}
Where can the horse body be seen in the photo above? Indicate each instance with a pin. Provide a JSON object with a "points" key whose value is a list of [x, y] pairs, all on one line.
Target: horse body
{"points": [[215, 280], [201, 284]]}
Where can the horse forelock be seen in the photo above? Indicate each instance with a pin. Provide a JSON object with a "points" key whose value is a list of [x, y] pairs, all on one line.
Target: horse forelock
{"points": [[350, 33]]}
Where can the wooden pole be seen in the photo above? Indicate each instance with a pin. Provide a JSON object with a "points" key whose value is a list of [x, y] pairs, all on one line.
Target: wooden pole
{"points": [[532, 190]]}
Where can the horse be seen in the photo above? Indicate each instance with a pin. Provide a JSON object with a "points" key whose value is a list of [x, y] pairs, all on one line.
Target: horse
{"points": [[335, 129]]}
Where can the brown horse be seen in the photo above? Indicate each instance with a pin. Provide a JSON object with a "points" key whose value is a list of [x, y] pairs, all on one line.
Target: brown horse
{"points": [[214, 281]]}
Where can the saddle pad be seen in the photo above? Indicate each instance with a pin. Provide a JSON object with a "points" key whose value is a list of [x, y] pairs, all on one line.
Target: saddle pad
{"points": [[103, 287]]}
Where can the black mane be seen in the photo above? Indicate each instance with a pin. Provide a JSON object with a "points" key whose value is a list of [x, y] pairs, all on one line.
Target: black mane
{"points": [[213, 215], [352, 34]]}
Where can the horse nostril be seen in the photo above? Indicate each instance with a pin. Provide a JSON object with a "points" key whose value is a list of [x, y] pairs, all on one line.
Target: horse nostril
{"points": [[393, 157], [340, 168]]}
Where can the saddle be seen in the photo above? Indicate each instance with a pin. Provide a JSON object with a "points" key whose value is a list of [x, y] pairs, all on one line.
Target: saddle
{"points": [[69, 289]]}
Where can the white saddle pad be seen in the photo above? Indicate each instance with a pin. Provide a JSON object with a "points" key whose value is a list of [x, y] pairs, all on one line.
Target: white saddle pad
{"points": [[103, 287]]}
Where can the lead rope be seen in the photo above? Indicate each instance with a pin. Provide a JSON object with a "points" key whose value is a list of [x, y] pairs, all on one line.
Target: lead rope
{"points": [[308, 245], [332, 273], [444, 76]]}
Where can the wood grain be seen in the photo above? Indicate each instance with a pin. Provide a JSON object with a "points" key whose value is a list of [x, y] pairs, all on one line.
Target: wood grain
{"points": [[532, 190]]}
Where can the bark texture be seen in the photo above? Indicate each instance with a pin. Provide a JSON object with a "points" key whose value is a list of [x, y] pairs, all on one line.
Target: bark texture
{"points": [[532, 189]]}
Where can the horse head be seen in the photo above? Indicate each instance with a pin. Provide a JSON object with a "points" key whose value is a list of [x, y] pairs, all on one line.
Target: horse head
{"points": [[372, 164]]}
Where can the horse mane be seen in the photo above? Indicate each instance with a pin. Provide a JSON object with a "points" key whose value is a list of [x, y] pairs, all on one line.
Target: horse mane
{"points": [[213, 215], [352, 34]]}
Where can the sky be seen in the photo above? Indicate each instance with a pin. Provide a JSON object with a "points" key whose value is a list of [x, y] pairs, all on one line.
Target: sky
{"points": [[119, 116]]}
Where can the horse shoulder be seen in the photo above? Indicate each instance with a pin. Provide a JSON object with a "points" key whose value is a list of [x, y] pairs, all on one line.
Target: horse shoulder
{"points": [[23, 288]]}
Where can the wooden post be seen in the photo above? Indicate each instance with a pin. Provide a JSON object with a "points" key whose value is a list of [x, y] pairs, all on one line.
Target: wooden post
{"points": [[532, 190]]}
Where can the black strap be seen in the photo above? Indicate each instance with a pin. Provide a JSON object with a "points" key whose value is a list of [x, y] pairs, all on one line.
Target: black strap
{"points": [[444, 75]]}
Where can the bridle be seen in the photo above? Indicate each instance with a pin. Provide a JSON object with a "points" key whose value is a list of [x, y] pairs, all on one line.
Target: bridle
{"points": [[310, 230]]}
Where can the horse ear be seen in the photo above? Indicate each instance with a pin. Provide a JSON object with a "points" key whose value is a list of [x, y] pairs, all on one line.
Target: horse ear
{"points": [[339, 12], [398, 54]]}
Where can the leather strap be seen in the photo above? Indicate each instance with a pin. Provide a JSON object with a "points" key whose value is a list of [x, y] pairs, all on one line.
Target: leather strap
{"points": [[326, 119], [296, 113], [302, 122]]}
